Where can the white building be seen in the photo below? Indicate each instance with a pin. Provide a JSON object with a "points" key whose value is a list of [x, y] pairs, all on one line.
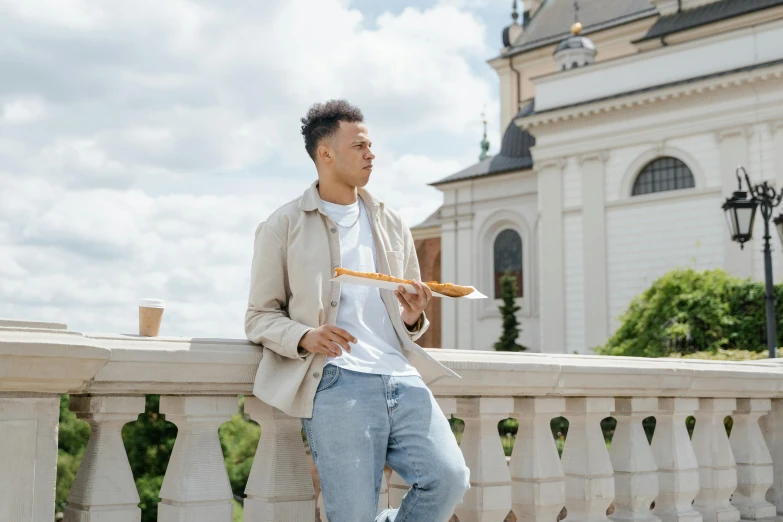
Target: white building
{"points": [[620, 149]]}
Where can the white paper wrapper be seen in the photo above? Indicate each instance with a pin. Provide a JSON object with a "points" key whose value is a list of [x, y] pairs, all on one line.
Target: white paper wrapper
{"points": [[363, 281]]}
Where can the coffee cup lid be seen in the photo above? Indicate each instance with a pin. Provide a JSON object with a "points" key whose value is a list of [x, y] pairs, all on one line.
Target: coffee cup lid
{"points": [[151, 303]]}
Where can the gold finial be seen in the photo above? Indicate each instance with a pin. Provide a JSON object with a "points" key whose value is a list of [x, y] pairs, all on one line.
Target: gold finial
{"points": [[576, 29]]}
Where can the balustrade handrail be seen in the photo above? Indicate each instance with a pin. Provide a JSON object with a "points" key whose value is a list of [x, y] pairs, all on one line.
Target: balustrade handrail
{"points": [[55, 360]]}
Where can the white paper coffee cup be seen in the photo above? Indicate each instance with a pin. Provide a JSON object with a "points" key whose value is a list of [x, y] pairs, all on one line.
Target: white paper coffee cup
{"points": [[150, 316]]}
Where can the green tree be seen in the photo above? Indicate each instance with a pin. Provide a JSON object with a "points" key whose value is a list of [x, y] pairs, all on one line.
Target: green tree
{"points": [[509, 309], [71, 441], [149, 442], [239, 440]]}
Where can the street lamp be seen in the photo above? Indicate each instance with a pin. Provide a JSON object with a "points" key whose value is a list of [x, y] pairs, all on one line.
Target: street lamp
{"points": [[740, 215]]}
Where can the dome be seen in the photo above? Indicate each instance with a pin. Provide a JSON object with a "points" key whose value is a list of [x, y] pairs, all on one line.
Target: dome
{"points": [[575, 42], [511, 33], [575, 51]]}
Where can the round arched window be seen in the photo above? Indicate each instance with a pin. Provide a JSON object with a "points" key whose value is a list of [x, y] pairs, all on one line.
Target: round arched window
{"points": [[508, 257], [663, 174]]}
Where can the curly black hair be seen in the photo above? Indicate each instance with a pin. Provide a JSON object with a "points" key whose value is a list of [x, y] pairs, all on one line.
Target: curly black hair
{"points": [[323, 120]]}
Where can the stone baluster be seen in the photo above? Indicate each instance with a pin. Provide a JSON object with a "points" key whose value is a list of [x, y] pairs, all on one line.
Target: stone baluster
{"points": [[196, 485], [678, 471], [489, 497], [754, 462], [537, 480], [279, 486], [586, 463], [635, 471], [717, 468], [104, 485], [772, 429], [28, 456]]}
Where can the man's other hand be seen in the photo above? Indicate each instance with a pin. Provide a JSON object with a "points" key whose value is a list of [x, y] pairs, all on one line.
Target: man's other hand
{"points": [[328, 340]]}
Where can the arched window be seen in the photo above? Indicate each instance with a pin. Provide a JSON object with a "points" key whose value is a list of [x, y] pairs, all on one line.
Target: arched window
{"points": [[508, 256], [663, 174]]}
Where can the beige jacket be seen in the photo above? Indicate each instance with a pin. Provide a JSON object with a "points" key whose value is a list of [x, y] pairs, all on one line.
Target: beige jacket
{"points": [[296, 250]]}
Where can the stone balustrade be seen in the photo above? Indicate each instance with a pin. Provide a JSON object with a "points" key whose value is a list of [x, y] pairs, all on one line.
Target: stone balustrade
{"points": [[712, 477]]}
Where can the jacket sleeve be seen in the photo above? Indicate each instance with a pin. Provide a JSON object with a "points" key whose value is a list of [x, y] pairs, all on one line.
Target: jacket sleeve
{"points": [[267, 321], [412, 271]]}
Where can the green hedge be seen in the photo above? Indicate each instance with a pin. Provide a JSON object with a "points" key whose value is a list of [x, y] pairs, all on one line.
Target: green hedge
{"points": [[688, 311]]}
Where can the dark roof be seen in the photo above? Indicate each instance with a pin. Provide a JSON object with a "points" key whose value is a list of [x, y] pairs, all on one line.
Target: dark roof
{"points": [[706, 14], [527, 110], [532, 111], [514, 155], [552, 22], [431, 220]]}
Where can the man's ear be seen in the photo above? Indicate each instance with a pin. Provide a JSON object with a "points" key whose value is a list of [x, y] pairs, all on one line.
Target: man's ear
{"points": [[323, 154]]}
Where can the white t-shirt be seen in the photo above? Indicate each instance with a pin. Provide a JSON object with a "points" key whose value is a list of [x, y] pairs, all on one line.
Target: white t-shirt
{"points": [[362, 312]]}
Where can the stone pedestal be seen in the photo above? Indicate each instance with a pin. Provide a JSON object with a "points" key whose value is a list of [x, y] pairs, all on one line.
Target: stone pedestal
{"points": [[104, 489], [279, 486], [196, 485]]}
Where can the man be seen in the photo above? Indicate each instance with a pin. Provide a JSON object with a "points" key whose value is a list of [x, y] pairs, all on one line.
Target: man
{"points": [[343, 357]]}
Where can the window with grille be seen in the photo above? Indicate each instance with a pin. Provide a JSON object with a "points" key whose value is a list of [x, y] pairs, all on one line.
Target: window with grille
{"points": [[508, 256], [663, 174]]}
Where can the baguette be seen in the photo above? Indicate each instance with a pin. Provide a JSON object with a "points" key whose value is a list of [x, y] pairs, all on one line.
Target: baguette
{"points": [[446, 289]]}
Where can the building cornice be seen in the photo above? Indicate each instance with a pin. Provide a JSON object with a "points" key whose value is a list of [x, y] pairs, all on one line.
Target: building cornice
{"points": [[745, 131], [775, 126], [431, 232], [601, 156], [552, 163], [652, 96]]}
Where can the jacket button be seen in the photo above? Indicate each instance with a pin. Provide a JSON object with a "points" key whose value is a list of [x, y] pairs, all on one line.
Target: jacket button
{"points": [[333, 230], [316, 374], [334, 304]]}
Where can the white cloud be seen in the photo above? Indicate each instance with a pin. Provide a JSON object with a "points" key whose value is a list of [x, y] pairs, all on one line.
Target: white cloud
{"points": [[22, 110], [143, 141], [75, 14]]}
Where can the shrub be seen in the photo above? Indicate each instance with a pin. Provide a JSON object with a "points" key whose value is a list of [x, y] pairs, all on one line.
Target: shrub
{"points": [[688, 311]]}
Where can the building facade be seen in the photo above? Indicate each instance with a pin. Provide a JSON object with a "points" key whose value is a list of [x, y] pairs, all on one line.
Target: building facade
{"points": [[621, 143]]}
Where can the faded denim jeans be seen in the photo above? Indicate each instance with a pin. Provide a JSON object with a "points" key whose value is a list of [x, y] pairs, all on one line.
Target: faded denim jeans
{"points": [[362, 421]]}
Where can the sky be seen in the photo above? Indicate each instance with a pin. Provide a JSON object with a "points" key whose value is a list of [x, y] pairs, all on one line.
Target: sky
{"points": [[141, 143]]}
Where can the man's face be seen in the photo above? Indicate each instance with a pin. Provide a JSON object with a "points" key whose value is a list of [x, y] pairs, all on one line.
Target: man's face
{"points": [[353, 157]]}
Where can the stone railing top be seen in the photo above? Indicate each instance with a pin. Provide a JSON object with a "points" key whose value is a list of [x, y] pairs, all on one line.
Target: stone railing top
{"points": [[37, 359], [41, 360]]}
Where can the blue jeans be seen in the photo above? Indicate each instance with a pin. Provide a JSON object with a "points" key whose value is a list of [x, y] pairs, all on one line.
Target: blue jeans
{"points": [[361, 421]]}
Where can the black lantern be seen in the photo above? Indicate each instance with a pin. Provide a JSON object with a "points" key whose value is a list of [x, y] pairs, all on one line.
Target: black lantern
{"points": [[740, 215], [779, 225], [740, 212]]}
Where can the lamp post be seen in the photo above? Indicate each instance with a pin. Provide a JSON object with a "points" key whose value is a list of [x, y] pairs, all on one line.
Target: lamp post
{"points": [[741, 214]]}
